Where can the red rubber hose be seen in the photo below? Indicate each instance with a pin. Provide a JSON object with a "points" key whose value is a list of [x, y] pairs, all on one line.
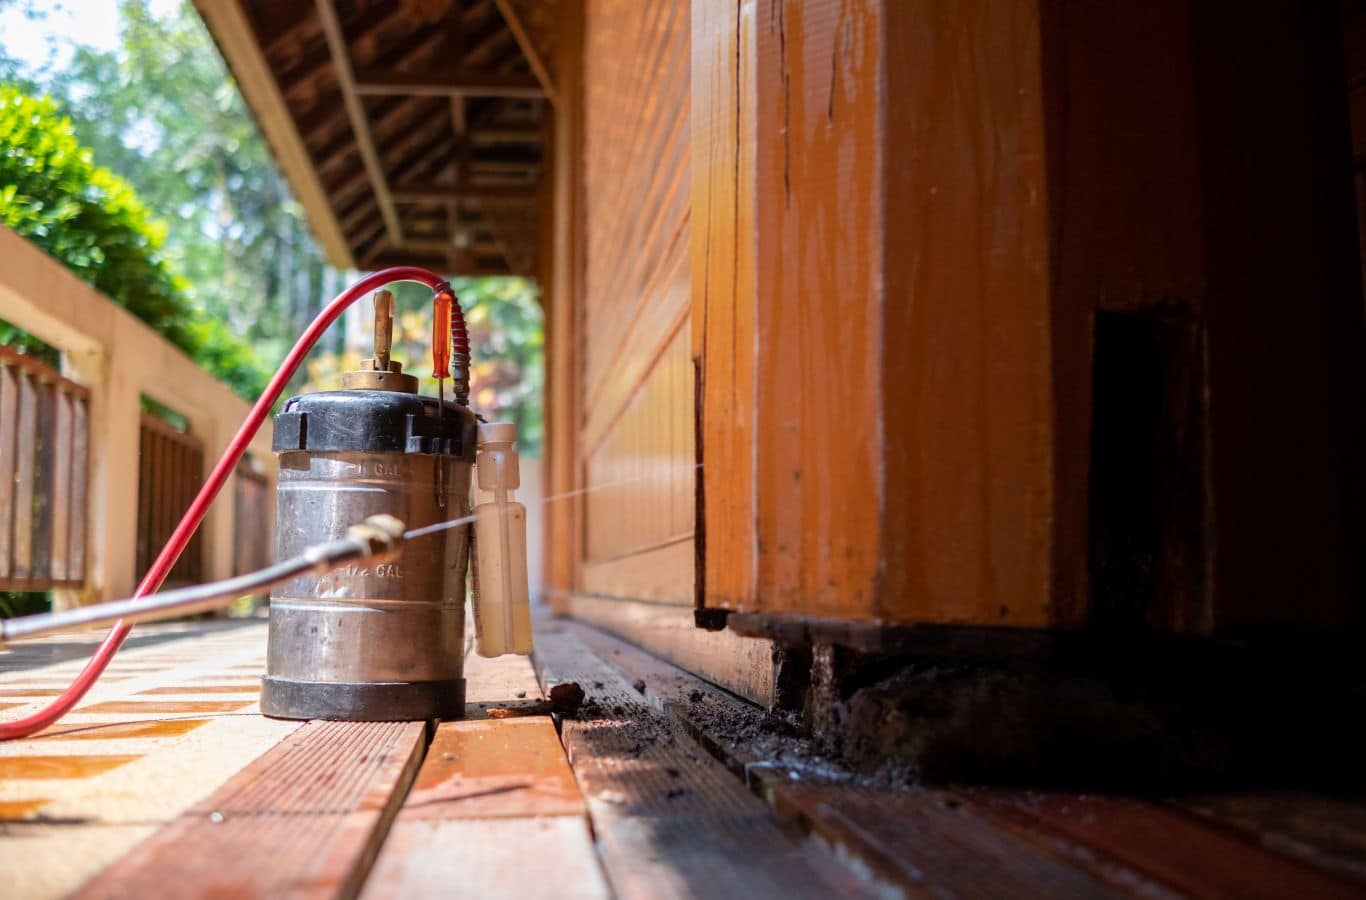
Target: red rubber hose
{"points": [[175, 545]]}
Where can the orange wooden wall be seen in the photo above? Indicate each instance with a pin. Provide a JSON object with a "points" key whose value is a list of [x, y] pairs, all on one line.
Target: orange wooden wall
{"points": [[908, 218], [874, 310], [883, 233], [636, 432], [623, 383]]}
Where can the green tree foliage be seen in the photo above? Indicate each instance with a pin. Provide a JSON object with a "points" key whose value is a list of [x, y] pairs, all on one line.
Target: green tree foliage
{"points": [[164, 112], [92, 221]]}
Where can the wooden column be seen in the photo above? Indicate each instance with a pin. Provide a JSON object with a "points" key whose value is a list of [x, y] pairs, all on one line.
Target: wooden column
{"points": [[892, 312], [1027, 314], [562, 298]]}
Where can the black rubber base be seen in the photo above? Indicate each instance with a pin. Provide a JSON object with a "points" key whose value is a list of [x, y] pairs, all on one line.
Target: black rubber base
{"points": [[385, 701]]}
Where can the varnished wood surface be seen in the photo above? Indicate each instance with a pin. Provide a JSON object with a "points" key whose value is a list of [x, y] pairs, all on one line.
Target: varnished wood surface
{"points": [[908, 219], [871, 277], [723, 299], [634, 383]]}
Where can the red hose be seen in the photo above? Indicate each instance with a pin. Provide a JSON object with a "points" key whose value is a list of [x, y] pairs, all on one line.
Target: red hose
{"points": [[175, 545]]}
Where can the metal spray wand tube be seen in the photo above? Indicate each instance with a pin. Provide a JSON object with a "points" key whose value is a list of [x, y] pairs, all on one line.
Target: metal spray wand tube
{"points": [[378, 538]]}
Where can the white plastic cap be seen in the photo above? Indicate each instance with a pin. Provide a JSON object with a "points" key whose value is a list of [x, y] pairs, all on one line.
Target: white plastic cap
{"points": [[497, 433]]}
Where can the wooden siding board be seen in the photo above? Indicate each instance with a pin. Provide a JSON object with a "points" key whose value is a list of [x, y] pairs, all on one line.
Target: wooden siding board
{"points": [[634, 441], [564, 310], [723, 298], [644, 464], [818, 313]]}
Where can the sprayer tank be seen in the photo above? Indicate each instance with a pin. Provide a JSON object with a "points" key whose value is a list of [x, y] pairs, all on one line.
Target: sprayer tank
{"points": [[383, 642]]}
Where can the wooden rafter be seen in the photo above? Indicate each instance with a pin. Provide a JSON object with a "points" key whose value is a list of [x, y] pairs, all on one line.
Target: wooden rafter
{"points": [[286, 34], [317, 63], [418, 192], [444, 84], [355, 111], [528, 47]]}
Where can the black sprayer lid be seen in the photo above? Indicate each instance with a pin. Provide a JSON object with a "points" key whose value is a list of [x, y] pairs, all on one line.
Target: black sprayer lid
{"points": [[374, 421]]}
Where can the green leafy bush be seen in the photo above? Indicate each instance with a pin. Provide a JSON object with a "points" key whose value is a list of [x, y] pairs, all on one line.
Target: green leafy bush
{"points": [[53, 194]]}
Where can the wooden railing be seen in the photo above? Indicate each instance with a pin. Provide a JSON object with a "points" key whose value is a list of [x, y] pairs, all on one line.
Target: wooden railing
{"points": [[44, 441], [170, 469], [89, 487], [251, 539]]}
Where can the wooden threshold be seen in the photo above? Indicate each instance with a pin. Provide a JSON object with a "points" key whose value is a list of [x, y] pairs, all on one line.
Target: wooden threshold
{"points": [[742, 665]]}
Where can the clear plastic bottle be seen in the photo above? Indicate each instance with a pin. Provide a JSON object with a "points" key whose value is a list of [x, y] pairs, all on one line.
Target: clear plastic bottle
{"points": [[502, 610]]}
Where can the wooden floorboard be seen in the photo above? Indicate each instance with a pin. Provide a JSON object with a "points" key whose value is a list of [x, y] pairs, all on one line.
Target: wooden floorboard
{"points": [[544, 858], [495, 811], [303, 820], [1162, 845], [996, 842], [1321, 831], [670, 820], [122, 775]]}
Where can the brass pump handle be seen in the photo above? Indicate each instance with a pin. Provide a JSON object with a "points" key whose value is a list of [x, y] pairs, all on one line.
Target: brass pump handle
{"points": [[384, 328]]}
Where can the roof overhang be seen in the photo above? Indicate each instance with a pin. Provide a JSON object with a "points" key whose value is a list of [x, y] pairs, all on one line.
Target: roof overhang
{"points": [[411, 131]]}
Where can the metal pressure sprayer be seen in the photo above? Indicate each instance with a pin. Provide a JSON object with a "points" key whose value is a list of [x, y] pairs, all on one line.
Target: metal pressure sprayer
{"points": [[383, 642]]}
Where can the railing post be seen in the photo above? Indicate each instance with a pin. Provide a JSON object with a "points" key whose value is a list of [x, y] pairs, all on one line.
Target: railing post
{"points": [[211, 428], [113, 490]]}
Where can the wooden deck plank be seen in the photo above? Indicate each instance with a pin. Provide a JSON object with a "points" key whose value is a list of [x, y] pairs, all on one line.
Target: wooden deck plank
{"points": [[1321, 831], [917, 844], [58, 832], [546, 858], [1163, 845], [502, 687], [495, 809], [670, 820], [513, 768], [1113, 844], [307, 817]]}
